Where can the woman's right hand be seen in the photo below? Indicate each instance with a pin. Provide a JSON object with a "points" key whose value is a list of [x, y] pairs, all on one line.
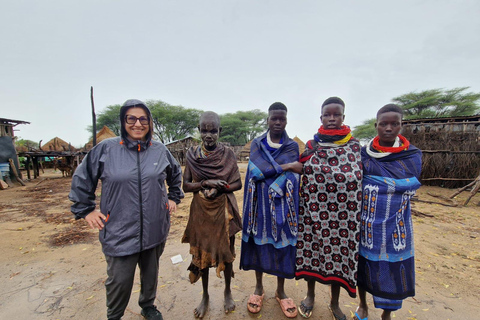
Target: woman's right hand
{"points": [[96, 219]]}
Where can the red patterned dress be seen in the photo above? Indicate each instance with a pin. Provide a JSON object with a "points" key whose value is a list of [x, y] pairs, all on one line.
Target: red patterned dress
{"points": [[329, 214]]}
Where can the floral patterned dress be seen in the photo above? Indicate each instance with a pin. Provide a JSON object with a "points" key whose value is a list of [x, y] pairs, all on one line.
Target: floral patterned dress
{"points": [[329, 215]]}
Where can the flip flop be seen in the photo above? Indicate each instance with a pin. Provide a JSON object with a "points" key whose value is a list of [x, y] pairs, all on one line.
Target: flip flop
{"points": [[255, 303], [335, 317], [357, 317], [308, 310], [286, 304]]}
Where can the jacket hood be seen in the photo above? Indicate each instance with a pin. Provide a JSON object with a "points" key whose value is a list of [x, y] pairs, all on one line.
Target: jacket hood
{"points": [[134, 103]]}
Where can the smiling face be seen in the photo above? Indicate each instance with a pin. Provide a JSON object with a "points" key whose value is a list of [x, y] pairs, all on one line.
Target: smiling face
{"points": [[332, 116], [210, 129], [388, 127], [276, 121], [136, 131]]}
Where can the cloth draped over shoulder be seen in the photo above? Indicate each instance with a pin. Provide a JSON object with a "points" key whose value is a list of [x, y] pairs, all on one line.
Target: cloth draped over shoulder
{"points": [[386, 263], [212, 221], [270, 209], [330, 200]]}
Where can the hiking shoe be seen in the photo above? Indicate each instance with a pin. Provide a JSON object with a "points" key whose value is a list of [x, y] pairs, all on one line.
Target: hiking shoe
{"points": [[151, 313]]}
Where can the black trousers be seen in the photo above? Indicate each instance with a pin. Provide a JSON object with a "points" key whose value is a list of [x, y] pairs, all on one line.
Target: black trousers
{"points": [[121, 273]]}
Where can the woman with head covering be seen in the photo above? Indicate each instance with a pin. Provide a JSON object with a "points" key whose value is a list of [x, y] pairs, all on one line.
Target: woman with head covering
{"points": [[330, 198], [270, 210], [391, 168], [134, 214]]}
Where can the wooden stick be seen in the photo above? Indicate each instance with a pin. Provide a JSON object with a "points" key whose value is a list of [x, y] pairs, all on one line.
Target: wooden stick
{"points": [[94, 119], [462, 189], [15, 173], [473, 192], [443, 198], [418, 213], [434, 202], [447, 179]]}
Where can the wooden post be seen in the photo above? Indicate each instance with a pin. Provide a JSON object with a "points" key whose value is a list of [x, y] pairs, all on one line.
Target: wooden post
{"points": [[14, 170], [474, 190], [35, 167], [27, 167], [94, 119]]}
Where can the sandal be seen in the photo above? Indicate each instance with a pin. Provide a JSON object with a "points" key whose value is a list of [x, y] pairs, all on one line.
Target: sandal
{"points": [[335, 317], [286, 304], [304, 310], [255, 303], [357, 317]]}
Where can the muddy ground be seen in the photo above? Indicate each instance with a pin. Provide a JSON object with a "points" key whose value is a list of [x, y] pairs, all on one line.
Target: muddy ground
{"points": [[52, 266]]}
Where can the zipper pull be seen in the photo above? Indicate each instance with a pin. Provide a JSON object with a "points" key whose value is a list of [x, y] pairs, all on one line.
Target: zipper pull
{"points": [[139, 147]]}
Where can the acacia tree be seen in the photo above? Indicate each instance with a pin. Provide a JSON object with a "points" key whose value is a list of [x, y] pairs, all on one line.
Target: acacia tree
{"points": [[108, 117], [172, 122], [432, 103], [242, 126], [438, 103]]}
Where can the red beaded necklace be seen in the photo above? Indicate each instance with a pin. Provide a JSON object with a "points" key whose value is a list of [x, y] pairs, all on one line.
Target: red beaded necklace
{"points": [[404, 144]]}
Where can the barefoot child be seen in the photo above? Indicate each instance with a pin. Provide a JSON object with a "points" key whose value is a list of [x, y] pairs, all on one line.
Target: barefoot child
{"points": [[212, 174]]}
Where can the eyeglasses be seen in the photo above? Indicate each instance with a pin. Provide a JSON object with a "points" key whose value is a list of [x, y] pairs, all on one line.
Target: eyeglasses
{"points": [[133, 120]]}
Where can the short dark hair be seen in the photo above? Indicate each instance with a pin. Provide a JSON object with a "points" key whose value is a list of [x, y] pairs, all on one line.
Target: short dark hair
{"points": [[391, 107], [335, 100], [277, 106], [210, 114]]}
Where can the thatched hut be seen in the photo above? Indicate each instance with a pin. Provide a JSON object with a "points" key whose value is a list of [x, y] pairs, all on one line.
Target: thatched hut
{"points": [[301, 144], [244, 154], [103, 134], [57, 144], [450, 146], [178, 148]]}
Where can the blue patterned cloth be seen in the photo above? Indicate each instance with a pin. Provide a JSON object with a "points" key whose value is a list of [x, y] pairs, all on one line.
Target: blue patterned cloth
{"points": [[386, 266], [270, 209]]}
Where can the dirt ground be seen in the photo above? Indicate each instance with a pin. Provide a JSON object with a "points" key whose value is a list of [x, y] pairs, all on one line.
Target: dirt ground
{"points": [[52, 266]]}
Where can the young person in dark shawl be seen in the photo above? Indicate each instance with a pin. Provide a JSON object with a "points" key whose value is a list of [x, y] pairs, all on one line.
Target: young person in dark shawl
{"points": [[391, 168], [271, 209], [330, 199], [212, 174]]}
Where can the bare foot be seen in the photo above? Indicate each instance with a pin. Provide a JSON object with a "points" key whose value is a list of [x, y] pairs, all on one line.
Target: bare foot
{"points": [[228, 304], [202, 308]]}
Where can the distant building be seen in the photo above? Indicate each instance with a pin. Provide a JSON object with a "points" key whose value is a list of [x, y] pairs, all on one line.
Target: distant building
{"points": [[7, 125], [450, 146], [178, 148]]}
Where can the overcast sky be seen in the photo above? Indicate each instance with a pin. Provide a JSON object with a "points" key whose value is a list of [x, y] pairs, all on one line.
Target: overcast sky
{"points": [[226, 56]]}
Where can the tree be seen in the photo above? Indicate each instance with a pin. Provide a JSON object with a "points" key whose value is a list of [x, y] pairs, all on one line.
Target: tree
{"points": [[432, 103], [438, 103], [172, 122], [27, 144], [366, 130], [109, 117], [242, 126]]}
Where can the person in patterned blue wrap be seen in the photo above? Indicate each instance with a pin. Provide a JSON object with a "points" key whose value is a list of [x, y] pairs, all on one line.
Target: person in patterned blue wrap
{"points": [[391, 168], [270, 210]]}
